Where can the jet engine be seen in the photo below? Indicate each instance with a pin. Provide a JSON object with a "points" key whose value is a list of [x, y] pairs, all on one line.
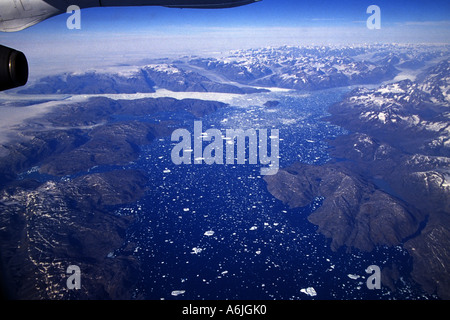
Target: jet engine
{"points": [[13, 68]]}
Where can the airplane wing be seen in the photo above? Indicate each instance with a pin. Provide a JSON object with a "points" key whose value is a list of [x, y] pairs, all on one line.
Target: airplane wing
{"points": [[16, 15]]}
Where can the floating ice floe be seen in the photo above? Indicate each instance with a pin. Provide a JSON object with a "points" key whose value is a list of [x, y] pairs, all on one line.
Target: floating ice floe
{"points": [[209, 233], [253, 228], [166, 171], [177, 292], [310, 291], [196, 250], [353, 276]]}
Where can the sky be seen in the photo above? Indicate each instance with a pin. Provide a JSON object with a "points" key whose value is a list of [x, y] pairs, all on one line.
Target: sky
{"points": [[130, 34]]}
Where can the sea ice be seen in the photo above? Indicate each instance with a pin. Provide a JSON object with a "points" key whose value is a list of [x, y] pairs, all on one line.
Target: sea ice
{"points": [[310, 291], [178, 292], [196, 250]]}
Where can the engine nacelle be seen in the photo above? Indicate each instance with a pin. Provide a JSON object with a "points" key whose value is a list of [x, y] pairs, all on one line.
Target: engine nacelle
{"points": [[13, 68]]}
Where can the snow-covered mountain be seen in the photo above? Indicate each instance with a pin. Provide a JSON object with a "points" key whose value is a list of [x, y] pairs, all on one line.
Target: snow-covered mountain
{"points": [[397, 110], [298, 68], [144, 79], [313, 68], [401, 138]]}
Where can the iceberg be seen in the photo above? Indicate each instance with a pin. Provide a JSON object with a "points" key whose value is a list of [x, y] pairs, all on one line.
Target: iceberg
{"points": [[196, 250], [177, 292], [310, 291]]}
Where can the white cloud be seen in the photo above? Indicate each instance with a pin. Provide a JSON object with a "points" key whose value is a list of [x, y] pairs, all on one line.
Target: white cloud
{"points": [[81, 50], [442, 23]]}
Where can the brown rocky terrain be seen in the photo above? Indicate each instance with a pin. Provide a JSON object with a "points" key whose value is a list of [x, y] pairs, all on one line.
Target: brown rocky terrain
{"points": [[50, 224], [391, 183]]}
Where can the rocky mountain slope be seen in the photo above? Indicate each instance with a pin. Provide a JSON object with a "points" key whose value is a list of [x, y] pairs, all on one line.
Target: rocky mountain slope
{"points": [[392, 183], [66, 217]]}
